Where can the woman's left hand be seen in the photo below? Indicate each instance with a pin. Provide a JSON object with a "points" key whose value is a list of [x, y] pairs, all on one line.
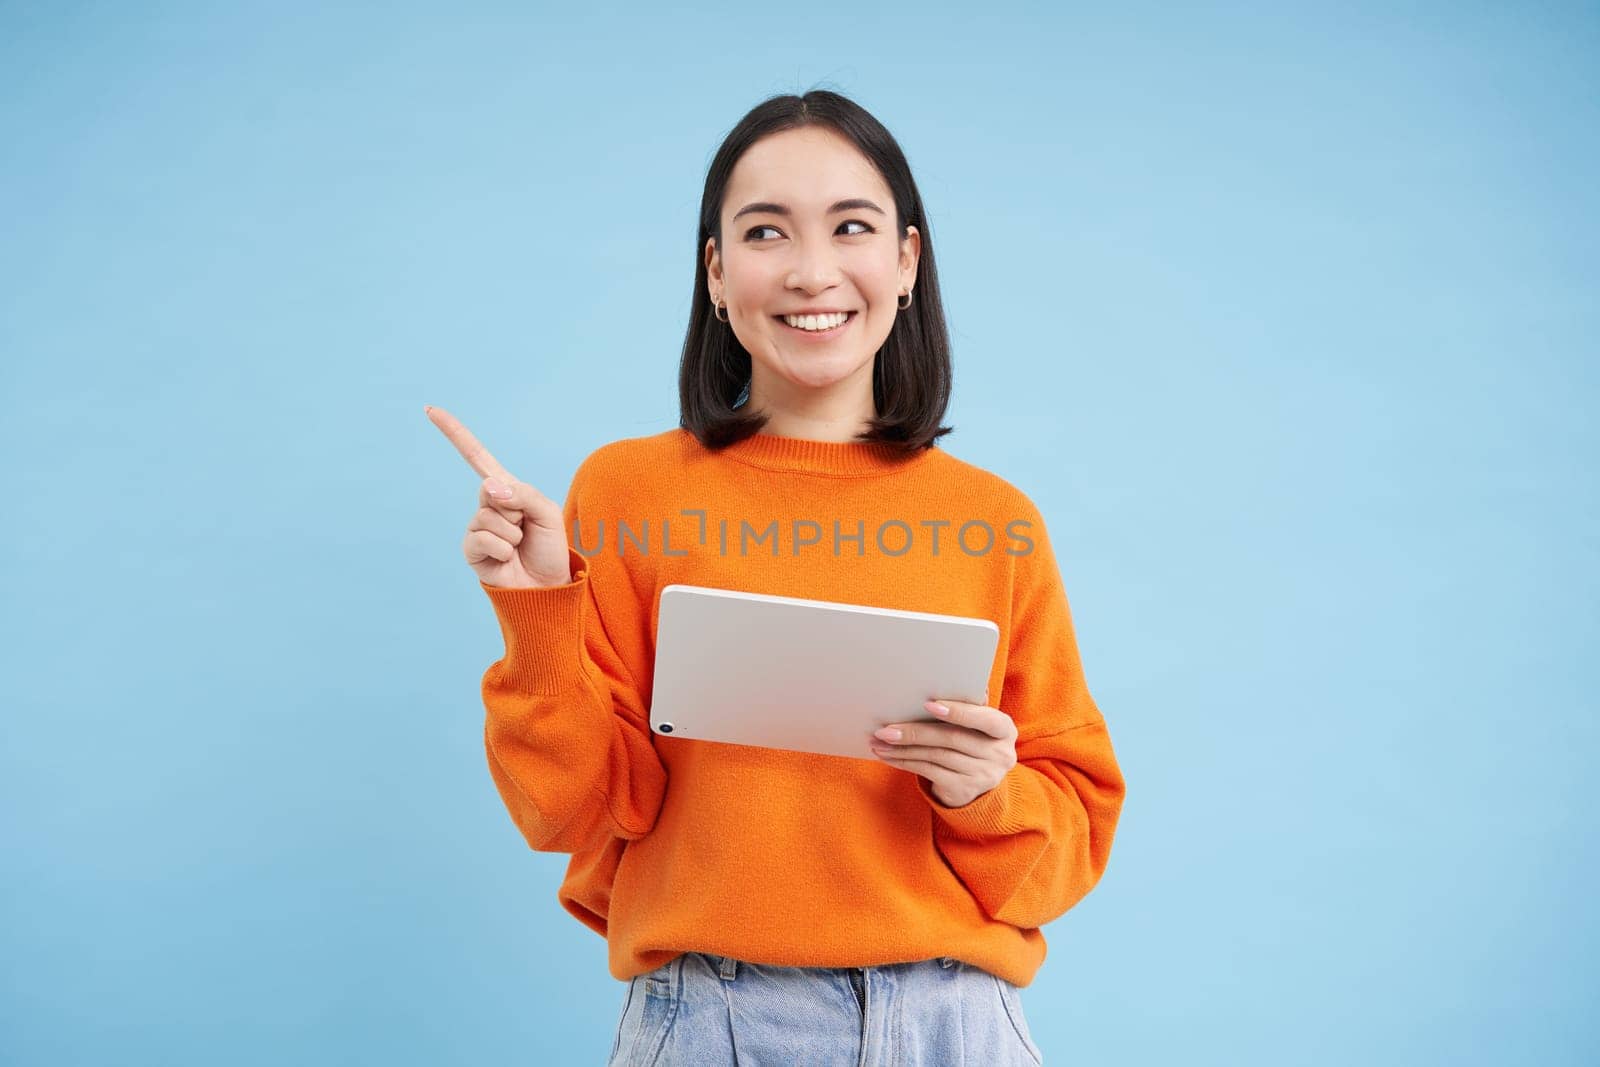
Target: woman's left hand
{"points": [[962, 757]]}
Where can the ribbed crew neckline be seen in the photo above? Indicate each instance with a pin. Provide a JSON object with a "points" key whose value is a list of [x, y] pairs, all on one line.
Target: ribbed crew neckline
{"points": [[847, 459]]}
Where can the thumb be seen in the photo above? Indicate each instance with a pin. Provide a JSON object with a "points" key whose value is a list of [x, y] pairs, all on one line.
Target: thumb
{"points": [[520, 496]]}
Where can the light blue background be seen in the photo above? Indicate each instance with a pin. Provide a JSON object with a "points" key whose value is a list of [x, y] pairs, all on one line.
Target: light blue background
{"points": [[1286, 319]]}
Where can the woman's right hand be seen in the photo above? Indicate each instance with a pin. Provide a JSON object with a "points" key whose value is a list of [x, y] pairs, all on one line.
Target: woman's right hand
{"points": [[518, 541]]}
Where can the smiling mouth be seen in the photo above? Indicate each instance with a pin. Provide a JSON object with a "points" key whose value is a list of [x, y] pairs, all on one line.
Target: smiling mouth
{"points": [[832, 331]]}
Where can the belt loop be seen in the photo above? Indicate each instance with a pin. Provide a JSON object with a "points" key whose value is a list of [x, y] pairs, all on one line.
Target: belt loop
{"points": [[729, 969]]}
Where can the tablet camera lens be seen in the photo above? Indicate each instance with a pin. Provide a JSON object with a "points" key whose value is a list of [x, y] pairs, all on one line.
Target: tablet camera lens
{"points": [[665, 728]]}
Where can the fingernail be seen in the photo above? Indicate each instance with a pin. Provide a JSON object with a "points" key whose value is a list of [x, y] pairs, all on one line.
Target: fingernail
{"points": [[889, 733], [938, 709], [496, 489]]}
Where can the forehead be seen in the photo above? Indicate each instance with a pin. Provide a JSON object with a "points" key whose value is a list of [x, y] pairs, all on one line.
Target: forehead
{"points": [[807, 169]]}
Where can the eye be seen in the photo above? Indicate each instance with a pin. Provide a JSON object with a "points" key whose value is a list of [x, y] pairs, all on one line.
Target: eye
{"points": [[848, 222]]}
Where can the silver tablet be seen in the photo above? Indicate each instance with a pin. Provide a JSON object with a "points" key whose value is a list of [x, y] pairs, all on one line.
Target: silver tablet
{"points": [[807, 675]]}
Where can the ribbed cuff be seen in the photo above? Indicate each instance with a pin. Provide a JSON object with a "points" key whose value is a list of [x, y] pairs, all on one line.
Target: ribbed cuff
{"points": [[991, 815], [543, 630]]}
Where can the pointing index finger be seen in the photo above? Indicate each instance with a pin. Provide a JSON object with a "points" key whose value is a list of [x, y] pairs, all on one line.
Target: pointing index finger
{"points": [[471, 449]]}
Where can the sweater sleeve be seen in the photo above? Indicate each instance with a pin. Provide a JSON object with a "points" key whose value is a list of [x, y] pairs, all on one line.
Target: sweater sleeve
{"points": [[567, 732], [1036, 844]]}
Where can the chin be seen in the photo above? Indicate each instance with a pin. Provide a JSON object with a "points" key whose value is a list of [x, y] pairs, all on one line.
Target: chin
{"points": [[821, 370]]}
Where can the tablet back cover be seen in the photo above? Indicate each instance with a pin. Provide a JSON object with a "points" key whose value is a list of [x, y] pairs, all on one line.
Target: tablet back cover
{"points": [[806, 675]]}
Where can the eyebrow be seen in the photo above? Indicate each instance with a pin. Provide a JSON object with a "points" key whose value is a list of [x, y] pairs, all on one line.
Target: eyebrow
{"points": [[769, 208]]}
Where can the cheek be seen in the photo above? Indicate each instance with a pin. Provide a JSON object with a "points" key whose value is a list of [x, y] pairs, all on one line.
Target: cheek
{"points": [[884, 286]]}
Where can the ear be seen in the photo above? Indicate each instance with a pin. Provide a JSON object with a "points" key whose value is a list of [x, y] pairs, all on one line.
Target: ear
{"points": [[910, 253], [713, 262]]}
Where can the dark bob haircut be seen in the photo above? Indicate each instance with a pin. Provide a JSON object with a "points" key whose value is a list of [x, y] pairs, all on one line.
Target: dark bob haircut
{"points": [[911, 373]]}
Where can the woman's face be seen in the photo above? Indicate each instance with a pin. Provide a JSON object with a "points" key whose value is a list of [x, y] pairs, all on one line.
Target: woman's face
{"points": [[788, 246]]}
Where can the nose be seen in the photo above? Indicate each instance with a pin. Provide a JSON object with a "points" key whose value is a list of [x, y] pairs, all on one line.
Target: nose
{"points": [[814, 269]]}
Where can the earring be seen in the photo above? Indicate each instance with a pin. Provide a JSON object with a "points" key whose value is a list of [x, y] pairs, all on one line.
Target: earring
{"points": [[907, 295], [716, 307]]}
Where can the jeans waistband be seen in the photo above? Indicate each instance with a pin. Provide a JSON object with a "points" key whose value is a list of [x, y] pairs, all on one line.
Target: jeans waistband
{"points": [[727, 967]]}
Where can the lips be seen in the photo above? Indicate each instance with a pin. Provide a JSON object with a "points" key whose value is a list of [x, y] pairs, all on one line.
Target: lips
{"points": [[818, 334]]}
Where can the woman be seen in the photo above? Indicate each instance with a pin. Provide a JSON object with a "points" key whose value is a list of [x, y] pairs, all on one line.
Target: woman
{"points": [[776, 905]]}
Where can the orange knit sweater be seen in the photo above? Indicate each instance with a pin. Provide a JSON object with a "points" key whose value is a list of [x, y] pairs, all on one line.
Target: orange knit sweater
{"points": [[778, 857]]}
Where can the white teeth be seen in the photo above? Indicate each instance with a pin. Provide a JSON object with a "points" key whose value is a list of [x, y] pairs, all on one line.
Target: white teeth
{"points": [[816, 322]]}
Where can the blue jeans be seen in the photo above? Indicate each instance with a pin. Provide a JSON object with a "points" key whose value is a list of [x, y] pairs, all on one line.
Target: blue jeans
{"points": [[700, 1010]]}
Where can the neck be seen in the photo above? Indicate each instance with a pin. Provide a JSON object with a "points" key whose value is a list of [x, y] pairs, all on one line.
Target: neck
{"points": [[834, 413]]}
